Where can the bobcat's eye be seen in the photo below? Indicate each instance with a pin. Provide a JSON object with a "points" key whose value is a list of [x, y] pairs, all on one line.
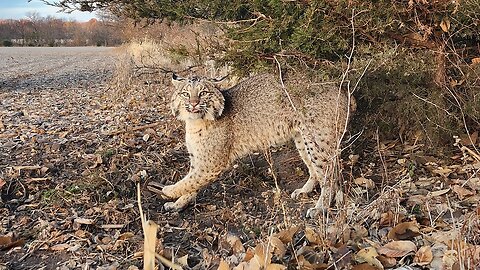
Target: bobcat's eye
{"points": [[185, 94], [202, 93]]}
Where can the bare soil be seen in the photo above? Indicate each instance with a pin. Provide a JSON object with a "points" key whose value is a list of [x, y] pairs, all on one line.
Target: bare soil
{"points": [[71, 155]]}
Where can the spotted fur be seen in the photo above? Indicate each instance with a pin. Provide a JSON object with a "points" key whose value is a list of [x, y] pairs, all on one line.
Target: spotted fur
{"points": [[253, 115]]}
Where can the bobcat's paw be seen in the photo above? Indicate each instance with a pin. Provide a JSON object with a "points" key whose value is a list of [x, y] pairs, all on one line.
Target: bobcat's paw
{"points": [[299, 192], [322, 206], [315, 212], [180, 203]]}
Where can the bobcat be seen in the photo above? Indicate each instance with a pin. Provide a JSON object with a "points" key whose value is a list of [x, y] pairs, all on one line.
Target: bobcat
{"points": [[223, 125]]}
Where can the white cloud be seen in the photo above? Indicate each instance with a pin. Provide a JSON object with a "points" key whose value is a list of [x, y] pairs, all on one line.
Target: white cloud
{"points": [[43, 10]]}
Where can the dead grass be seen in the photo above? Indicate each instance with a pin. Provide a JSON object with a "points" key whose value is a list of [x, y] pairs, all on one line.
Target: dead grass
{"points": [[164, 49]]}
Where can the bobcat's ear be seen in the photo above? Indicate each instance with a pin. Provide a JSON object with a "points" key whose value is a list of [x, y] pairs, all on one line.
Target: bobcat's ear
{"points": [[177, 81], [175, 104], [215, 83]]}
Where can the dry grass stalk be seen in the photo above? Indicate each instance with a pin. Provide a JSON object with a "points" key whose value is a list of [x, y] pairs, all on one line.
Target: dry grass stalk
{"points": [[150, 238], [150, 233]]}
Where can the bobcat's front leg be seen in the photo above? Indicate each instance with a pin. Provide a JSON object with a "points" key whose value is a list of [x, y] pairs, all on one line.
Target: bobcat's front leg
{"points": [[180, 203], [185, 190]]}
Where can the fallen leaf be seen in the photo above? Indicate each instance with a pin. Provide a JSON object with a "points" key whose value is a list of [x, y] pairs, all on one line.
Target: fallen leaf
{"points": [[261, 258], [63, 134], [470, 200], [95, 158], [275, 266], [451, 238], [445, 172], [286, 236], [474, 183], [462, 192], [439, 192], [450, 257], [242, 266], [223, 265], [387, 261], [389, 218], [358, 232], [445, 24], [424, 256], [312, 236], [353, 159], [304, 263], [249, 254], [476, 60], [278, 246], [9, 242], [404, 230], [2, 183], [397, 249], [44, 169], [309, 258], [235, 243], [60, 247], [364, 182], [438, 250], [5, 240], [471, 139], [368, 255], [74, 248], [85, 221], [183, 261], [343, 256]]}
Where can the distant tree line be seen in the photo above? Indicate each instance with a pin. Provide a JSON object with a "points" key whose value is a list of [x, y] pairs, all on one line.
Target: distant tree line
{"points": [[50, 31]]}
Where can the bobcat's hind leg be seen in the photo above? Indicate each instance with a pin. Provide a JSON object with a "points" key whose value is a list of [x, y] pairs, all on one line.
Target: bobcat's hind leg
{"points": [[313, 180], [321, 150], [326, 155]]}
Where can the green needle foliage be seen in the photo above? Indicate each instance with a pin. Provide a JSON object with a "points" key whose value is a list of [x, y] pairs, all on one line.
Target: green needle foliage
{"points": [[316, 29]]}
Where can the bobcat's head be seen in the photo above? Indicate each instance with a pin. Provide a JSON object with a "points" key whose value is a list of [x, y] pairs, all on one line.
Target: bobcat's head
{"points": [[196, 98]]}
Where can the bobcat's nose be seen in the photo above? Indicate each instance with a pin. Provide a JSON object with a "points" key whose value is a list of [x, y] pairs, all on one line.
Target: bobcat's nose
{"points": [[194, 102]]}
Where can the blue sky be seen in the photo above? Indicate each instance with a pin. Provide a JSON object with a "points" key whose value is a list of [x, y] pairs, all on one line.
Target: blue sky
{"points": [[17, 9]]}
